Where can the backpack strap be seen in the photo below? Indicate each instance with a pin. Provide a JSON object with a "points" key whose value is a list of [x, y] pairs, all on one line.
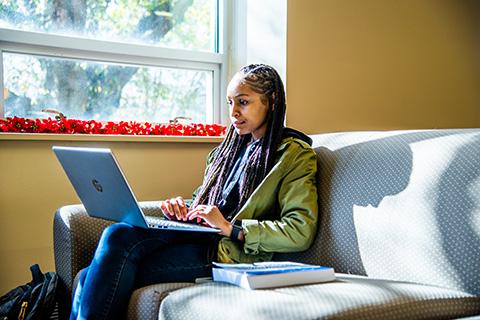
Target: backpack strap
{"points": [[37, 274]]}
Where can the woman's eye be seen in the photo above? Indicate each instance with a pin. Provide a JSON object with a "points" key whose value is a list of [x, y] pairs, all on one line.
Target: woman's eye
{"points": [[229, 102], [243, 102]]}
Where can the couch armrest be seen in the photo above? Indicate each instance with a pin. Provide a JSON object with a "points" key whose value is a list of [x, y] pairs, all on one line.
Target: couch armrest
{"points": [[75, 237]]}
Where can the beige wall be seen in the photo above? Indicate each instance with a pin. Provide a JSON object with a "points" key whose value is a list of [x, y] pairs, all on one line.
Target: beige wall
{"points": [[383, 64], [33, 186]]}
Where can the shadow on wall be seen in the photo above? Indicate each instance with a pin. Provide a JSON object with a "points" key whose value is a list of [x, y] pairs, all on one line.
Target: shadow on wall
{"points": [[471, 12]]}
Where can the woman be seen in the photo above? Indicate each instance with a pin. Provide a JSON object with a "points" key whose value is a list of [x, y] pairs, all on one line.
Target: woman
{"points": [[259, 190]]}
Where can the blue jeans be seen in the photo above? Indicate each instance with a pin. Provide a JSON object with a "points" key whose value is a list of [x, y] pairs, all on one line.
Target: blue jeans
{"points": [[128, 258]]}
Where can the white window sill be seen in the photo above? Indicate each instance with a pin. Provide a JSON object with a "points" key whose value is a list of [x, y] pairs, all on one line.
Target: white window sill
{"points": [[105, 137]]}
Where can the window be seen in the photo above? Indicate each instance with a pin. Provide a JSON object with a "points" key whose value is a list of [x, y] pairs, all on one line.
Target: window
{"points": [[144, 60]]}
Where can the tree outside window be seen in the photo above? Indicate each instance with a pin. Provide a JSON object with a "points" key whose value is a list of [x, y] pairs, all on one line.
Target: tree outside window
{"points": [[102, 90]]}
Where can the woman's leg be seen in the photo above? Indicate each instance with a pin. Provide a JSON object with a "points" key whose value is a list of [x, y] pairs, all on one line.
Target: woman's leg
{"points": [[180, 262], [105, 289], [77, 294]]}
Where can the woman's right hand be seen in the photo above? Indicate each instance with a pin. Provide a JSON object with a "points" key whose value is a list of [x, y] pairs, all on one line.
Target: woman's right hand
{"points": [[174, 209]]}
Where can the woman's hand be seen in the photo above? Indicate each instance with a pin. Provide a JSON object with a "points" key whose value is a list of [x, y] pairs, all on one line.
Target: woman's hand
{"points": [[174, 209], [212, 216]]}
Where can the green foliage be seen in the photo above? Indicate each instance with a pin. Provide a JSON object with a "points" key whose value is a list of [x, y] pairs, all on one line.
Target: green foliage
{"points": [[85, 89]]}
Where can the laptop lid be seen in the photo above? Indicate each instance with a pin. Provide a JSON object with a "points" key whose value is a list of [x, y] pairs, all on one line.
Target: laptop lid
{"points": [[100, 184]]}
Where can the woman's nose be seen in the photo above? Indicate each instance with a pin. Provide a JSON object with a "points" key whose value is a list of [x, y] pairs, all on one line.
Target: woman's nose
{"points": [[234, 110]]}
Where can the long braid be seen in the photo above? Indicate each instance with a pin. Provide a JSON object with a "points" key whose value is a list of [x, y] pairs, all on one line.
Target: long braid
{"points": [[264, 80], [223, 158]]}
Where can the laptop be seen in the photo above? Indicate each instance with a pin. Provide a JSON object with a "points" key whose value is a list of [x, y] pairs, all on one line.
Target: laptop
{"points": [[104, 191]]}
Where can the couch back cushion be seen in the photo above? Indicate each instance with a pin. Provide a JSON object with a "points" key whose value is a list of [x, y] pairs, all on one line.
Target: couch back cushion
{"points": [[400, 205]]}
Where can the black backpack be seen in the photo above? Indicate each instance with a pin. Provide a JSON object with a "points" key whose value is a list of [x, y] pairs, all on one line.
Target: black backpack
{"points": [[34, 300]]}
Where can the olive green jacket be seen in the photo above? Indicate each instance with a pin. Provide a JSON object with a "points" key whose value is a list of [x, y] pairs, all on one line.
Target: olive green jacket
{"points": [[281, 214]]}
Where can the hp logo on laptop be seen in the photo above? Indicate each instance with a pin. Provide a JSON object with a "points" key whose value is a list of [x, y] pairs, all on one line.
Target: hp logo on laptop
{"points": [[97, 185]]}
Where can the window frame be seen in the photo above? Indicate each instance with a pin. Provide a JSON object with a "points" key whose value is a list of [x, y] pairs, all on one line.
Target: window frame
{"points": [[103, 51]]}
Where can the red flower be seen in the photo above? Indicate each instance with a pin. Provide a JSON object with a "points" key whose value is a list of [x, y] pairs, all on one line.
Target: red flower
{"points": [[61, 125]]}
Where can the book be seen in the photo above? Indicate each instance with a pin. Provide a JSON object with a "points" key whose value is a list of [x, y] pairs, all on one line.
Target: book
{"points": [[261, 275]]}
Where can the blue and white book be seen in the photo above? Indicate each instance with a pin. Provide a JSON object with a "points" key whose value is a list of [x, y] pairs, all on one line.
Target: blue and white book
{"points": [[272, 274]]}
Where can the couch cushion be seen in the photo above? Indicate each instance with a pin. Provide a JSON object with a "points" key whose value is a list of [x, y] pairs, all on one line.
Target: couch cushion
{"points": [[400, 205], [350, 297], [144, 302]]}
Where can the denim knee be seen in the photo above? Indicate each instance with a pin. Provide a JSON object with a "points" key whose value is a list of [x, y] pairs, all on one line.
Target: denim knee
{"points": [[118, 235]]}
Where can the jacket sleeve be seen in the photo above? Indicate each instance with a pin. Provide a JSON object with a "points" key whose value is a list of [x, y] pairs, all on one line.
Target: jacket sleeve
{"points": [[298, 207]]}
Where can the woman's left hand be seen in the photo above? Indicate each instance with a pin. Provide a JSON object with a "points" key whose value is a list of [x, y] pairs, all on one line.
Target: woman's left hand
{"points": [[212, 216]]}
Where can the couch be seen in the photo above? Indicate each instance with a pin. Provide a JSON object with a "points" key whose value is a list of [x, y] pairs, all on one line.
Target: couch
{"points": [[399, 221]]}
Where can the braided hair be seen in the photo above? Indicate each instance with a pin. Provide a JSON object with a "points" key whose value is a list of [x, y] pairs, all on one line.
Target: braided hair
{"points": [[263, 80]]}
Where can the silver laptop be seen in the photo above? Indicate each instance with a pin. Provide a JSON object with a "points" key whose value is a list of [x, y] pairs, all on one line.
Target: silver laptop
{"points": [[104, 190]]}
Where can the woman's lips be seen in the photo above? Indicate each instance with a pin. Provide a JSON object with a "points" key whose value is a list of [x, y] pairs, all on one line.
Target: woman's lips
{"points": [[238, 123]]}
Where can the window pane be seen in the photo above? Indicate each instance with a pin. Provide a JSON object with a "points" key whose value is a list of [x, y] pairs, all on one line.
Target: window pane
{"points": [[184, 24], [101, 91]]}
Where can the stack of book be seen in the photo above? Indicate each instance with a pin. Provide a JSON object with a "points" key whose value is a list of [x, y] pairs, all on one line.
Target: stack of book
{"points": [[263, 275]]}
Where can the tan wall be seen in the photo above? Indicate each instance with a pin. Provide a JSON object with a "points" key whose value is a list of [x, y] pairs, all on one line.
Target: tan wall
{"points": [[383, 64], [33, 186]]}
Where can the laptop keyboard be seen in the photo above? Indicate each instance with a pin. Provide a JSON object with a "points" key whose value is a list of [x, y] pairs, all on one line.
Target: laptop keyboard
{"points": [[161, 223]]}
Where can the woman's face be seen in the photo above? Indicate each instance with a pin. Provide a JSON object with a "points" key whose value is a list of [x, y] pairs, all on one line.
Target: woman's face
{"points": [[248, 113]]}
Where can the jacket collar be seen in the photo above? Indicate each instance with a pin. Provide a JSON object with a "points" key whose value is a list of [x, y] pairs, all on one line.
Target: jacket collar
{"points": [[289, 132]]}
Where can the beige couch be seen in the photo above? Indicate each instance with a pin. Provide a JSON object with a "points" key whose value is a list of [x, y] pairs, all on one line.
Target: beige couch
{"points": [[399, 222]]}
